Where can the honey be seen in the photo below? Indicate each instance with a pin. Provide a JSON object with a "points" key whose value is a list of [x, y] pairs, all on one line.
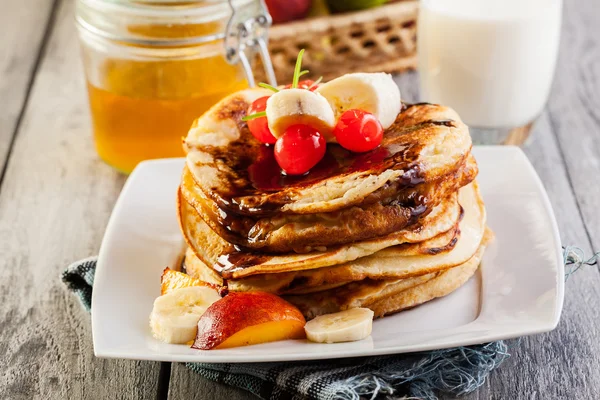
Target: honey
{"points": [[152, 68], [143, 109]]}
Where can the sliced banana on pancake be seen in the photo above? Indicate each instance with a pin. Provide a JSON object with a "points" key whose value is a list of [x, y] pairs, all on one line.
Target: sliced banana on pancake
{"points": [[376, 93], [299, 106]]}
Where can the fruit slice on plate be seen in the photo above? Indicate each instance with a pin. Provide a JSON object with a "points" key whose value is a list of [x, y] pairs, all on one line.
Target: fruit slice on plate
{"points": [[299, 107], [175, 315], [344, 326], [375, 93], [246, 318], [172, 280]]}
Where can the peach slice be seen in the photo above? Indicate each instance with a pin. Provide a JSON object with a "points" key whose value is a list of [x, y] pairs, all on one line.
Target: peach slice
{"points": [[171, 280], [245, 318]]}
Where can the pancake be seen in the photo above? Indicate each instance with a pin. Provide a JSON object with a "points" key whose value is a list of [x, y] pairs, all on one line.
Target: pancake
{"points": [[197, 269], [235, 185], [304, 232], [392, 263], [389, 296], [427, 137], [280, 283], [211, 248]]}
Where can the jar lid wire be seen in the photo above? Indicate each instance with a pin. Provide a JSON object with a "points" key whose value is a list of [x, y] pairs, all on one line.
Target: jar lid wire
{"points": [[245, 37]]}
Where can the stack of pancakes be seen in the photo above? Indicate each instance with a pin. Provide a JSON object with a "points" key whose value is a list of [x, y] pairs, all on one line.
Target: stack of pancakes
{"points": [[388, 229]]}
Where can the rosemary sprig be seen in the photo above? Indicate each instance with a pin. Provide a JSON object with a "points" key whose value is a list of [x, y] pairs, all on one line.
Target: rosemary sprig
{"points": [[254, 116], [297, 69], [297, 74], [267, 86]]}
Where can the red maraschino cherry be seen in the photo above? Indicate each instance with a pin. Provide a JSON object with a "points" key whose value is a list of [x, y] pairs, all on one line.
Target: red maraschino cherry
{"points": [[299, 149], [358, 131], [259, 127]]}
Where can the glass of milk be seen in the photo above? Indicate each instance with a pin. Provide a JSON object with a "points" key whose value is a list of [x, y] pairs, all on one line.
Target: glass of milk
{"points": [[491, 60]]}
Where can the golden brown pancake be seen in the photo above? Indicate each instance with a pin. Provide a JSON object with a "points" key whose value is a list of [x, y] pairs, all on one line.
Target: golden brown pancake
{"points": [[387, 229], [287, 283], [304, 232], [387, 297], [390, 263], [237, 188], [395, 262], [211, 248]]}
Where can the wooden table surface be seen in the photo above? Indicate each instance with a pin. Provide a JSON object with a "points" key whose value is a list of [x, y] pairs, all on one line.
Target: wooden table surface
{"points": [[56, 197]]}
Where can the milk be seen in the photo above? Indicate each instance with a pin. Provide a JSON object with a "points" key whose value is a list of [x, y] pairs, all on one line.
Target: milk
{"points": [[491, 60]]}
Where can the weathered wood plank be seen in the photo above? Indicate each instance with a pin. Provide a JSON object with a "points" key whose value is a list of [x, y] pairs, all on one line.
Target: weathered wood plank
{"points": [[575, 108], [54, 205], [22, 27], [187, 385]]}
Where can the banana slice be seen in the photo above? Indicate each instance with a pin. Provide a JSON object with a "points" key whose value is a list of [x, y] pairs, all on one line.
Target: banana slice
{"points": [[344, 326], [174, 318], [376, 93], [299, 106]]}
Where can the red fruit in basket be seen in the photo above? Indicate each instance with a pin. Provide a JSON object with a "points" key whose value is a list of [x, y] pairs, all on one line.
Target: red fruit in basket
{"points": [[288, 10], [259, 127], [299, 149], [358, 131], [305, 84]]}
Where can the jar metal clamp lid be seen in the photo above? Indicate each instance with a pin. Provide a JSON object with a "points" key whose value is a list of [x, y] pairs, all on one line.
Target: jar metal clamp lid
{"points": [[244, 36]]}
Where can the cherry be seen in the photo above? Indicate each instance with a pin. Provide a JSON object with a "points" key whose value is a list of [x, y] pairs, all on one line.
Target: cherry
{"points": [[259, 127], [305, 84], [299, 149], [358, 131]]}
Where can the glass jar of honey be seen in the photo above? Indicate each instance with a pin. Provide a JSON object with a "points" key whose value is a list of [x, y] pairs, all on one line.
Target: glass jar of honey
{"points": [[152, 67]]}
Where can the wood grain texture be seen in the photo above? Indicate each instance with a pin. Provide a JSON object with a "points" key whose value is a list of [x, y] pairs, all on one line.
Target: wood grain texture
{"points": [[54, 205], [187, 385], [574, 109], [22, 27]]}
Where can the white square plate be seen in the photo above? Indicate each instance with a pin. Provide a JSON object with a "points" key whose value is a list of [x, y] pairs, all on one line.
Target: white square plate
{"points": [[517, 291]]}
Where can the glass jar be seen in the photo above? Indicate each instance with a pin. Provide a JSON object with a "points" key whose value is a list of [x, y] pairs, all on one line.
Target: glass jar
{"points": [[152, 67]]}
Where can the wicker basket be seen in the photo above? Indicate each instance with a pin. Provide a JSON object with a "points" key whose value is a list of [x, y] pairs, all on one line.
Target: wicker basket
{"points": [[379, 39]]}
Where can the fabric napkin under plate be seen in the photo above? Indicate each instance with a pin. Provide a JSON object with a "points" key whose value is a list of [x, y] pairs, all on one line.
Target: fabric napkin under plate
{"points": [[454, 371]]}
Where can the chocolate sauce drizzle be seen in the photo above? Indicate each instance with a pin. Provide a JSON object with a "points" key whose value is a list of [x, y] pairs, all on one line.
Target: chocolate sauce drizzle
{"points": [[239, 259], [257, 187]]}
